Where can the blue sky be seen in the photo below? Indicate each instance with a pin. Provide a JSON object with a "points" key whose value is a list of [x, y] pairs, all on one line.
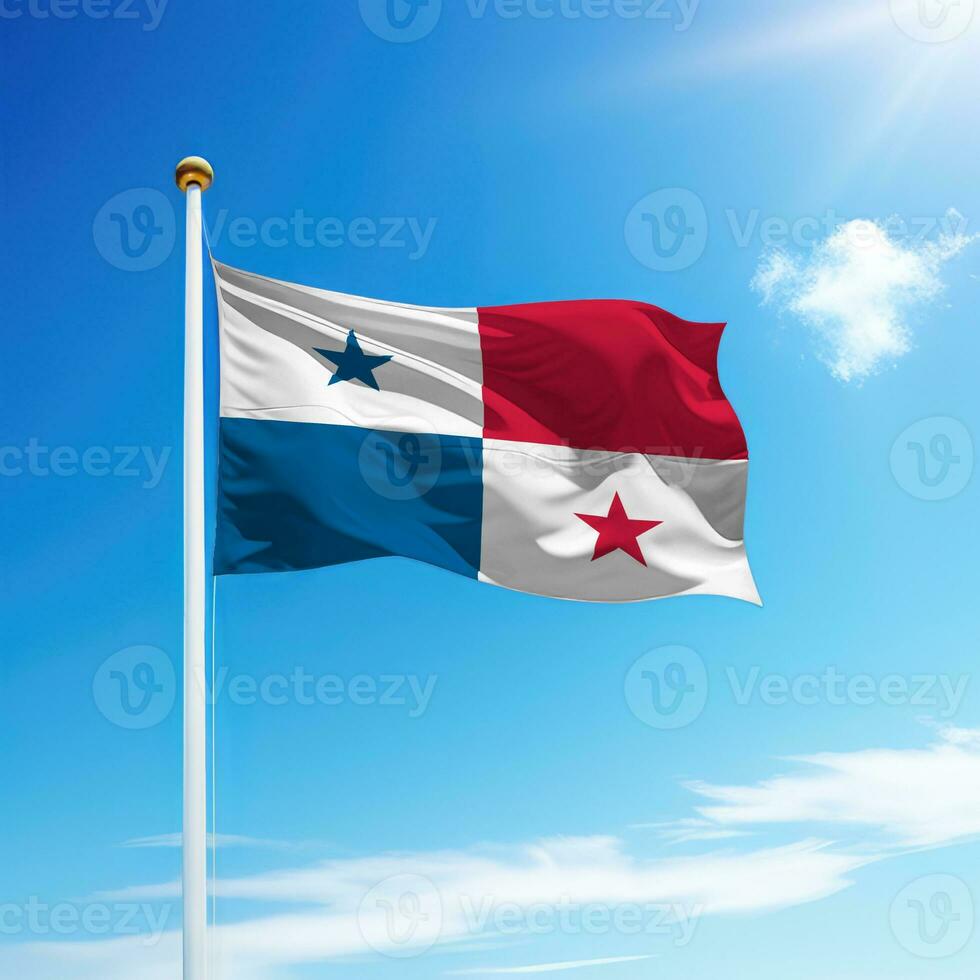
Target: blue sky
{"points": [[814, 808]]}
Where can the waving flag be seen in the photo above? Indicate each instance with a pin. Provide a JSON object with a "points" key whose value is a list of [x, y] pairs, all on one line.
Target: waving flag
{"points": [[583, 450]]}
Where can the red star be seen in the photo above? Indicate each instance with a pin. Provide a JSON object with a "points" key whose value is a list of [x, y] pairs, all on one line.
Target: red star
{"points": [[617, 532]]}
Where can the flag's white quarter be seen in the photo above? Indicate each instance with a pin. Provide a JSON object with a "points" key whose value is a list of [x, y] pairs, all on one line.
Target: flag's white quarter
{"points": [[534, 542], [270, 368]]}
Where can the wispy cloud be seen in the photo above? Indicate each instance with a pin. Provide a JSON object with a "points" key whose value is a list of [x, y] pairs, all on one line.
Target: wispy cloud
{"points": [[689, 830], [548, 873], [325, 917], [914, 797], [856, 289], [546, 967], [893, 799], [110, 959]]}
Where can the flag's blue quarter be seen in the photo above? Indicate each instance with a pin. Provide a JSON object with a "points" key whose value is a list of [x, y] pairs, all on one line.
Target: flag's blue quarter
{"points": [[297, 495]]}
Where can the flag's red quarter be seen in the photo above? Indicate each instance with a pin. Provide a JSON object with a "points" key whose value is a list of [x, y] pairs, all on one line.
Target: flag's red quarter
{"points": [[606, 374]]}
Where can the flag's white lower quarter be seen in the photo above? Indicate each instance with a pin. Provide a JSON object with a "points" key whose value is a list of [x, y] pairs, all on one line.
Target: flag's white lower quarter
{"points": [[534, 541]]}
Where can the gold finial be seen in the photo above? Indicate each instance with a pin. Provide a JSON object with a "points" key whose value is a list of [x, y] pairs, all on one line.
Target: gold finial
{"points": [[194, 170]]}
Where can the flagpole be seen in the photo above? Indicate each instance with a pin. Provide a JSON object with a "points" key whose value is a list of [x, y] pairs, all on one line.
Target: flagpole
{"points": [[194, 175]]}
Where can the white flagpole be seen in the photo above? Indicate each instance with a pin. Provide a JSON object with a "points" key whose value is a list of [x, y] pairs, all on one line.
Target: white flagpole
{"points": [[194, 175]]}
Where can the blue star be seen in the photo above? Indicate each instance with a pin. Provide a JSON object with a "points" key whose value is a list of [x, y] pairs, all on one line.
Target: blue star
{"points": [[353, 364]]}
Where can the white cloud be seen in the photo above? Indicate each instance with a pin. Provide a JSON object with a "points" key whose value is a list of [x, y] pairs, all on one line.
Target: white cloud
{"points": [[112, 959], [689, 829], [898, 798], [961, 736], [546, 967], [584, 871], [915, 797], [473, 886], [856, 289]]}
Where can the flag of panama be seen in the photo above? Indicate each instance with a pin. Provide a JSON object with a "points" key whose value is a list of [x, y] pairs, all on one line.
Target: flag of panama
{"points": [[583, 450]]}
